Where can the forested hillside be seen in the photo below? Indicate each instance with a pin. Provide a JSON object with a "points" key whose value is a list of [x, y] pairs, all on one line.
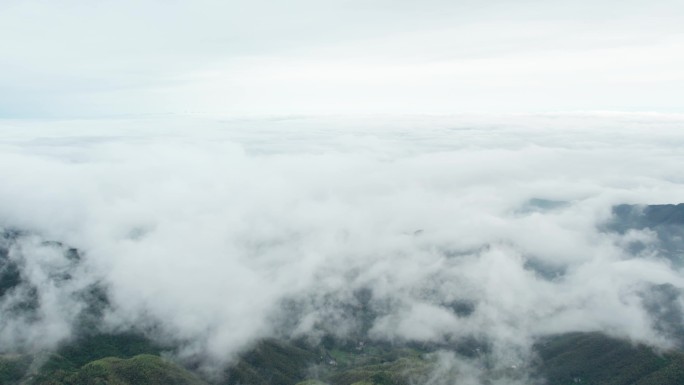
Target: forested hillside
{"points": [[93, 357]]}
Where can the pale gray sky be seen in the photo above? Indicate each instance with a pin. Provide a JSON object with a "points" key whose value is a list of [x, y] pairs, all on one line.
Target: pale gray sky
{"points": [[71, 58]]}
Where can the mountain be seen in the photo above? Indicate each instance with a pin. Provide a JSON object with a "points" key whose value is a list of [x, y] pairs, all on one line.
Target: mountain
{"points": [[593, 358], [142, 369], [587, 358], [665, 221], [94, 357]]}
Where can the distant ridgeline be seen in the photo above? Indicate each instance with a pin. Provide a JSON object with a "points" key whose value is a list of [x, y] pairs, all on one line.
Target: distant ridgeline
{"points": [[130, 358], [652, 216], [666, 221]]}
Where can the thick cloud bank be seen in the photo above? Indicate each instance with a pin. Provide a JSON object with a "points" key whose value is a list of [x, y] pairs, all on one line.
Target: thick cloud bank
{"points": [[217, 233]]}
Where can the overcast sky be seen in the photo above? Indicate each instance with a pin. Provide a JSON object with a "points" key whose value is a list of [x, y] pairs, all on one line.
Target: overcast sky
{"points": [[78, 58], [575, 102]]}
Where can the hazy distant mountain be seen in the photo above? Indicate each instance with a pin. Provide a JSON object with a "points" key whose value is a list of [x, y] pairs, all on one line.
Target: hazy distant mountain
{"points": [[666, 221]]}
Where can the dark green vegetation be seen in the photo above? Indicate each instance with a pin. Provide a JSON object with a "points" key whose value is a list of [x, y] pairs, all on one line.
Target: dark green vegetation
{"points": [[143, 369], [85, 350], [13, 367], [272, 362], [586, 358], [91, 360], [279, 363], [592, 358], [133, 360]]}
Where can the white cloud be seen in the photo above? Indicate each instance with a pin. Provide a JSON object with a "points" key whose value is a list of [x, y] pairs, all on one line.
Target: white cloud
{"points": [[210, 227]]}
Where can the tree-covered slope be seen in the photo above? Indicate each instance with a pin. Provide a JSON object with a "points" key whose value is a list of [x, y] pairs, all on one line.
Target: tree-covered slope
{"points": [[587, 358], [143, 369], [595, 359], [13, 367]]}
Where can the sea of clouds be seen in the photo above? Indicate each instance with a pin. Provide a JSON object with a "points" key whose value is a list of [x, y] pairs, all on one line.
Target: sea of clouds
{"points": [[218, 232]]}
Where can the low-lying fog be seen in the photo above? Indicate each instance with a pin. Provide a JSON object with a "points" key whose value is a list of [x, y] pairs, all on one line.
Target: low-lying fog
{"points": [[215, 233]]}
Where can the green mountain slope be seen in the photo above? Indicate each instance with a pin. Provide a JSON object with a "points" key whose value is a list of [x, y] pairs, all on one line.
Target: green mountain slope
{"points": [[139, 370], [594, 359], [13, 367], [281, 363]]}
